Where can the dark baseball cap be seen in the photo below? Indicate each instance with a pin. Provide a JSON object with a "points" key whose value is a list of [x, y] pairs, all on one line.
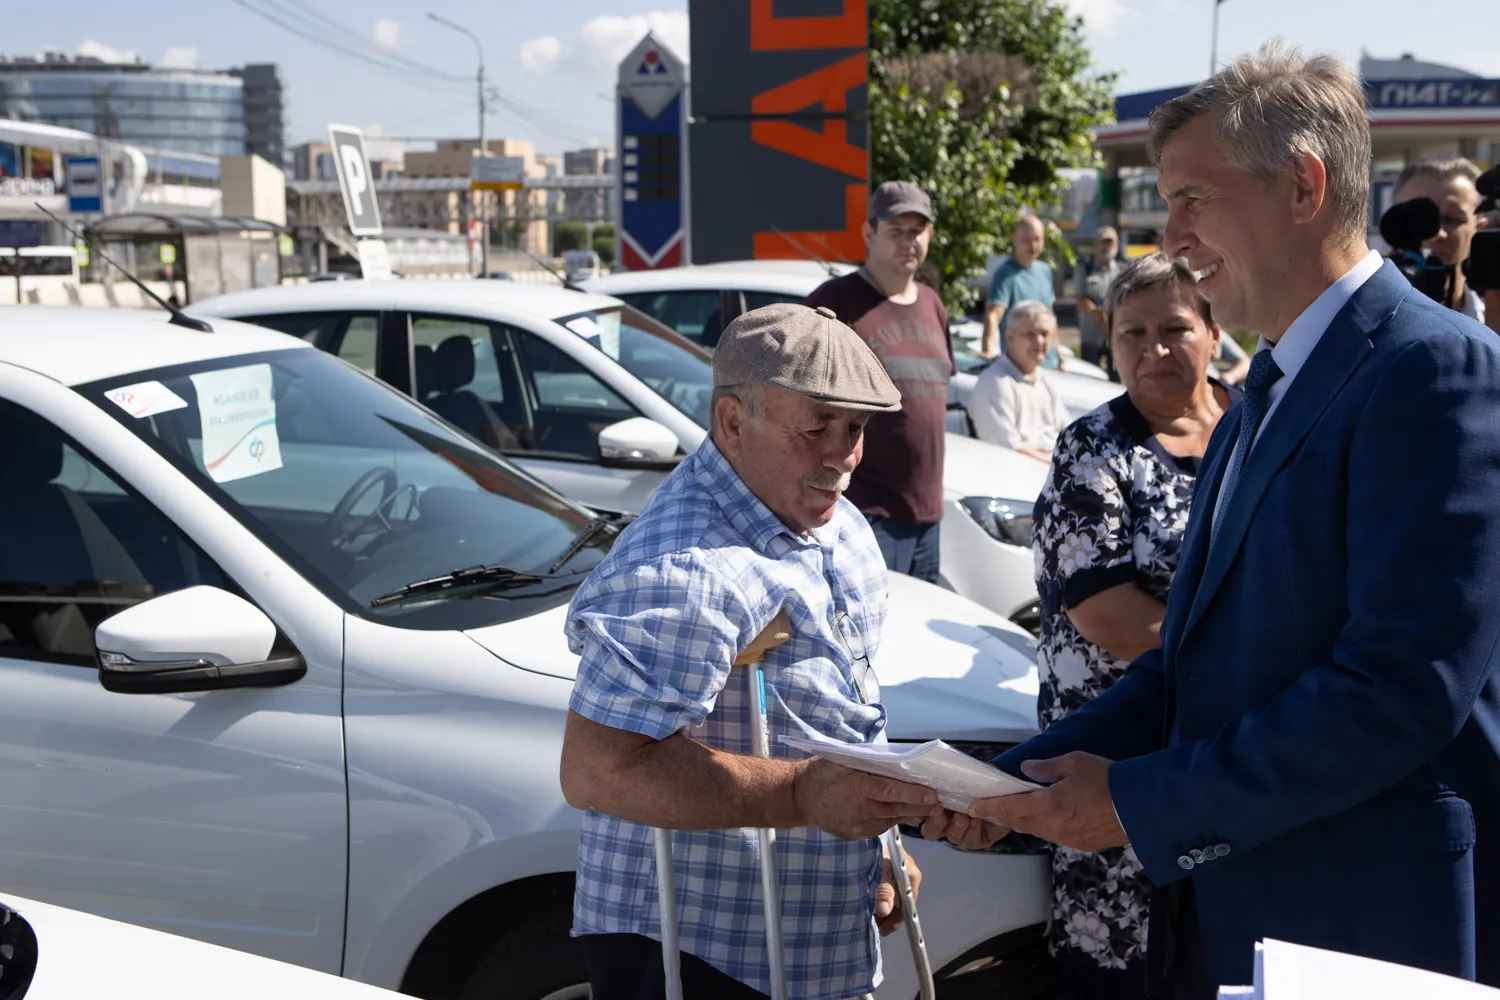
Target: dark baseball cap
{"points": [[807, 351], [895, 198]]}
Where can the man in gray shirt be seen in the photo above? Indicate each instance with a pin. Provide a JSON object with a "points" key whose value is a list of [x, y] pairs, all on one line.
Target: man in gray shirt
{"points": [[1090, 281]]}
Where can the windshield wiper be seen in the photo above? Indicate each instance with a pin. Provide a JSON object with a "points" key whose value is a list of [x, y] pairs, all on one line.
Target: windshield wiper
{"points": [[590, 531], [495, 576]]}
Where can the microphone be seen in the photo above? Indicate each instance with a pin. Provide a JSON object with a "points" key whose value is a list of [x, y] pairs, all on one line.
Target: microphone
{"points": [[1489, 183], [1411, 223], [1489, 189]]}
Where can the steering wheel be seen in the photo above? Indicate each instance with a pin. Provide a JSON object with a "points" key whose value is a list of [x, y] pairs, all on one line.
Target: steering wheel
{"points": [[385, 478]]}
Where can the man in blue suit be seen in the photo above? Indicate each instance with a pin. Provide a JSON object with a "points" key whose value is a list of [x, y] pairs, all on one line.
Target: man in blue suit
{"points": [[1311, 754]]}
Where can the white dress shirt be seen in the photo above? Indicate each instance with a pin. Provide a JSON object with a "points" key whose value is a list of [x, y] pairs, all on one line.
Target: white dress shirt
{"points": [[1301, 339]]}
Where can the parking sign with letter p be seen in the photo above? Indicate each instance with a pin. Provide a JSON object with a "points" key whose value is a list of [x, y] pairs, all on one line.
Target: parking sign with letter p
{"points": [[353, 168]]}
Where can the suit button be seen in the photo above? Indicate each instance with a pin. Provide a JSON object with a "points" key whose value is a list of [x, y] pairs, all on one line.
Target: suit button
{"points": [[1185, 863], [1222, 850], [1198, 857]]}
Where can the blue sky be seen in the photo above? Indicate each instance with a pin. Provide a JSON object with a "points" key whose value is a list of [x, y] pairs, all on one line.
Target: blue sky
{"points": [[556, 57]]}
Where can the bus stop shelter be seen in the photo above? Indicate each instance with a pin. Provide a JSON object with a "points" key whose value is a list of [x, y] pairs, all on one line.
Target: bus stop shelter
{"points": [[210, 255]]}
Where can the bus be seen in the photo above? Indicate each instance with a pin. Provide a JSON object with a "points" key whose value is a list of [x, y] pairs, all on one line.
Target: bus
{"points": [[45, 273]]}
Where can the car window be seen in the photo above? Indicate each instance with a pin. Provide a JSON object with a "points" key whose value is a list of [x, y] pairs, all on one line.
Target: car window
{"points": [[678, 371], [354, 485], [355, 337], [571, 405], [466, 373], [692, 314], [754, 300], [77, 546]]}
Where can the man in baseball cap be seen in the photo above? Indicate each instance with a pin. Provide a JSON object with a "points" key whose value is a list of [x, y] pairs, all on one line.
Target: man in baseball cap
{"points": [[751, 524], [899, 486]]}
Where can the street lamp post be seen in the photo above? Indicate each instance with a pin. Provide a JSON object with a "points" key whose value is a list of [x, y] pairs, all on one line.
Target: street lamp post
{"points": [[1213, 51], [484, 196]]}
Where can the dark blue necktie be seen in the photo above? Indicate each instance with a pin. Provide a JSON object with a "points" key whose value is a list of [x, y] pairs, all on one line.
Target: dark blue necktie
{"points": [[1263, 374]]}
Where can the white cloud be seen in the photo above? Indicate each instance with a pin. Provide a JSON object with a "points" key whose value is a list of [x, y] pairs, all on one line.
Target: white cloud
{"points": [[107, 53], [179, 57], [608, 39], [539, 53], [603, 41], [386, 35], [1101, 17]]}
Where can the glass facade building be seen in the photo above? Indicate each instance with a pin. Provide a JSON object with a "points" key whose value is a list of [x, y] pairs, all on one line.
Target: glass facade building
{"points": [[192, 112]]}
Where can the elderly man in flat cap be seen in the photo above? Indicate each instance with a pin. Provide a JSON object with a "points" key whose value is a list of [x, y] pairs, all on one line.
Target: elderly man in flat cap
{"points": [[751, 524]]}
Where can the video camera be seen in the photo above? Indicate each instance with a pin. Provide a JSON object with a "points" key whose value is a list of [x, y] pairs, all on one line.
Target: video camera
{"points": [[1410, 224]]}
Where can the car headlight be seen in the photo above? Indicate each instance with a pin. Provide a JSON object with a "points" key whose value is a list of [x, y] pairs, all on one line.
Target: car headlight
{"points": [[1007, 521]]}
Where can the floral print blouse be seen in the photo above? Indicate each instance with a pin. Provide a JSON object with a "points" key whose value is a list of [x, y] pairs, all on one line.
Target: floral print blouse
{"points": [[1113, 511]]}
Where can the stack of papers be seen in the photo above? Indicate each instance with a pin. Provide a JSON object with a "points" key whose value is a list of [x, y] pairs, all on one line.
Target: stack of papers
{"points": [[1296, 972], [958, 779]]}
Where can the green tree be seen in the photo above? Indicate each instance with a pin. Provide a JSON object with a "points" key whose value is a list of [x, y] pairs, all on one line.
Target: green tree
{"points": [[981, 102], [568, 236], [604, 245]]}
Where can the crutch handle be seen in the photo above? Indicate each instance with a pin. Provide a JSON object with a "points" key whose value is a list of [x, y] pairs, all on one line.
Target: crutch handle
{"points": [[773, 635]]}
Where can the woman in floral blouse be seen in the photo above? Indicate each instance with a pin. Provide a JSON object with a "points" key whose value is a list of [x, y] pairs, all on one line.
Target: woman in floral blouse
{"points": [[1109, 526]]}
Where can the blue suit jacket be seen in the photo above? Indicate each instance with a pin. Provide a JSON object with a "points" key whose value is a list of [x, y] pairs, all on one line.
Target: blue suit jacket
{"points": [[1318, 736]]}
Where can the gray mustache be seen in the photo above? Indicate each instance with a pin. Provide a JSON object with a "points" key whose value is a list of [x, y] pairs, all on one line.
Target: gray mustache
{"points": [[830, 481]]}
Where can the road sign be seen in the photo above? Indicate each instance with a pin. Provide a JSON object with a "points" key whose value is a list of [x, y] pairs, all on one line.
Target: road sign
{"points": [[780, 91], [355, 181], [168, 253], [82, 253], [85, 185], [650, 158], [497, 173], [374, 259]]}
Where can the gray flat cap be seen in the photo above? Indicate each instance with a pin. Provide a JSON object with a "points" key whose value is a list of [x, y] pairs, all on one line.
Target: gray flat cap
{"points": [[807, 351]]}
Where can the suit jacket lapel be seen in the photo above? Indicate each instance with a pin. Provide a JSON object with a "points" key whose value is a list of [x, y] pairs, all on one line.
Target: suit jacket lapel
{"points": [[1343, 347]]}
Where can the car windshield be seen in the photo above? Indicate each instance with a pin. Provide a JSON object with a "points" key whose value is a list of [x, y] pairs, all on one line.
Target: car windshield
{"points": [[966, 359], [358, 488], [680, 372]]}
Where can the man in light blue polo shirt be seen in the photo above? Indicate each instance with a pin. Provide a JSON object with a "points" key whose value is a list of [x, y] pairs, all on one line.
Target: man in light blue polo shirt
{"points": [[1022, 278]]}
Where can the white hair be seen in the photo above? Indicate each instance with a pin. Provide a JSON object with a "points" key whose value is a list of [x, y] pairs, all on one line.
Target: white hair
{"points": [[1030, 312], [752, 396]]}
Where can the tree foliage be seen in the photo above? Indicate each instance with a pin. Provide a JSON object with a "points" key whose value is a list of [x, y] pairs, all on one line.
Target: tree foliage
{"points": [[981, 102]]}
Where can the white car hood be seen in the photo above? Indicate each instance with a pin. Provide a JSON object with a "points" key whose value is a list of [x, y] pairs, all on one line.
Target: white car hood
{"points": [[82, 956], [974, 468], [948, 668]]}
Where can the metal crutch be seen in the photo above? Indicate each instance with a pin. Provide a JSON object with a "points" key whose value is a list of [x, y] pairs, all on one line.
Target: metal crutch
{"points": [[773, 635], [776, 633]]}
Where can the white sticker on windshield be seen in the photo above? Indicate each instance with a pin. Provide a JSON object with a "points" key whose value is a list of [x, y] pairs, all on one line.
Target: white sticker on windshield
{"points": [[145, 399], [238, 413], [584, 326]]}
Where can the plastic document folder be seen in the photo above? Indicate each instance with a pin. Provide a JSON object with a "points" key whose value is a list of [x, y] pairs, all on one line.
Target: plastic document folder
{"points": [[1296, 972], [957, 778]]}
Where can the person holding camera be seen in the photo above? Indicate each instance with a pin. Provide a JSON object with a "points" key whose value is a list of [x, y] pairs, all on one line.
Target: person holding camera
{"points": [[1449, 181]]}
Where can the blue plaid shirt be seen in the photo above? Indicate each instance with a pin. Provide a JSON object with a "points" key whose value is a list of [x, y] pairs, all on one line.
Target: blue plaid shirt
{"points": [[687, 586]]}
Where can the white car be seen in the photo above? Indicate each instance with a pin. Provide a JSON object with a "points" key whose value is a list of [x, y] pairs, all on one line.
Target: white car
{"points": [[698, 301], [599, 400], [60, 954], [284, 670]]}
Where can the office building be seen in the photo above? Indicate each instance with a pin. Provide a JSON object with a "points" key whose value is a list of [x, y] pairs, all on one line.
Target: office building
{"points": [[207, 112]]}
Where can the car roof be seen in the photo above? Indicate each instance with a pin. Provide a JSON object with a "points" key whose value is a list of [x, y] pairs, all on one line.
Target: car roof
{"points": [[506, 301], [786, 277], [75, 346]]}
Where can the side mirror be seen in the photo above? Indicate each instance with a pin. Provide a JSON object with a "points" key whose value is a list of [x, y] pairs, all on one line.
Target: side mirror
{"points": [[638, 443], [198, 639]]}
